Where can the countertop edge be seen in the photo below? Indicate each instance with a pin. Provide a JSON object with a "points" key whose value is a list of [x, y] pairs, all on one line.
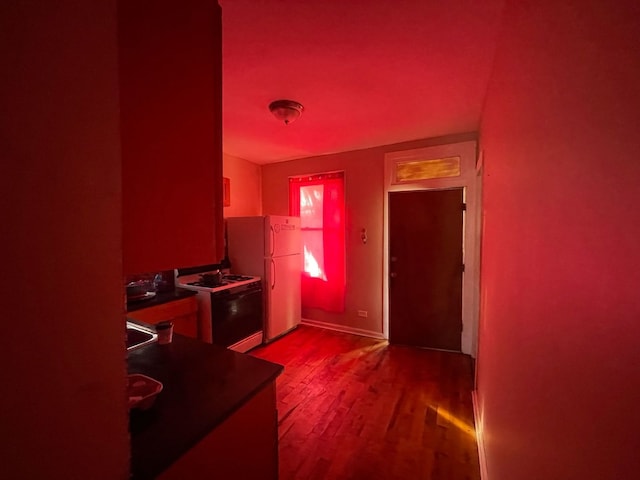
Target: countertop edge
{"points": [[204, 385]]}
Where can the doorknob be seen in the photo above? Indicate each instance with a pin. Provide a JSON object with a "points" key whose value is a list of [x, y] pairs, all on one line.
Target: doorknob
{"points": [[393, 274]]}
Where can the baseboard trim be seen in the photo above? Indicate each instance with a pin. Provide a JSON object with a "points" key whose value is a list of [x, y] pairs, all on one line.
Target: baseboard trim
{"points": [[484, 475], [342, 328]]}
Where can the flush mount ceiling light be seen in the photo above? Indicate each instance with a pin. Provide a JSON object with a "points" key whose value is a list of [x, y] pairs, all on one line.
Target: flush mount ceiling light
{"points": [[286, 111]]}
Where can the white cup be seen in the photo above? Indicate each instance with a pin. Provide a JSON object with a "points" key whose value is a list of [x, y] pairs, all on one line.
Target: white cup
{"points": [[165, 332]]}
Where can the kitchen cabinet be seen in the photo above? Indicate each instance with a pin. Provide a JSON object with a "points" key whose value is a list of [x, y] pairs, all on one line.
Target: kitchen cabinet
{"points": [[244, 446], [183, 313], [170, 81], [216, 416]]}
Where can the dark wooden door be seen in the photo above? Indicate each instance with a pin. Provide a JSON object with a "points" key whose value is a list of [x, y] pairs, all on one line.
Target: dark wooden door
{"points": [[425, 268]]}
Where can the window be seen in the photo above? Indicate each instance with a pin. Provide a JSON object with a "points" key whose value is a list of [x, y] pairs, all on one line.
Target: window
{"points": [[319, 201], [427, 169]]}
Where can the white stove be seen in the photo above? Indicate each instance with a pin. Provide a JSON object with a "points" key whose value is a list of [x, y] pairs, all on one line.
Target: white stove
{"points": [[230, 306]]}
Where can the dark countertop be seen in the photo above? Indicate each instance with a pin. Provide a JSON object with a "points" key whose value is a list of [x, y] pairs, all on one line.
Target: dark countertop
{"points": [[160, 298], [203, 385]]}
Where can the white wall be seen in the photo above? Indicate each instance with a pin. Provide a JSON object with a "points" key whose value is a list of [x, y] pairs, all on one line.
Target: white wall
{"points": [[246, 186], [558, 364], [364, 204], [63, 412]]}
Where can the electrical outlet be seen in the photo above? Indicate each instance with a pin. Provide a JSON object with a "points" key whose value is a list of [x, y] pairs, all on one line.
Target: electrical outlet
{"points": [[362, 313]]}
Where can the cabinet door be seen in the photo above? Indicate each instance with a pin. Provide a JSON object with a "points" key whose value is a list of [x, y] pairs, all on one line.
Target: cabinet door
{"points": [[245, 446], [170, 71]]}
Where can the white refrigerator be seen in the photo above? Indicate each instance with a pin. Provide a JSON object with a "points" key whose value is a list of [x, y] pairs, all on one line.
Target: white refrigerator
{"points": [[270, 247]]}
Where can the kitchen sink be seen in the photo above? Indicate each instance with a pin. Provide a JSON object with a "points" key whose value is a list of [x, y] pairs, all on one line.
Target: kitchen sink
{"points": [[139, 336]]}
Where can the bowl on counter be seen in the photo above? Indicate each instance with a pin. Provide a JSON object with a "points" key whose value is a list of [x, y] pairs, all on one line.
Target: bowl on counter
{"points": [[142, 391], [140, 290]]}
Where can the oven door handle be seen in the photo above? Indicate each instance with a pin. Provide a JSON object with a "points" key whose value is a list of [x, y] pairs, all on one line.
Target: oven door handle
{"points": [[238, 296], [273, 274]]}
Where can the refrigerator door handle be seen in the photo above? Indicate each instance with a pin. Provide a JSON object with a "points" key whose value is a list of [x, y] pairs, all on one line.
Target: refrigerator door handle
{"points": [[273, 241], [273, 274]]}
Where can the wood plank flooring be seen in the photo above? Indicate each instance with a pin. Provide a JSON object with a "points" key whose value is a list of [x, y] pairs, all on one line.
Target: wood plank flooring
{"points": [[353, 408]]}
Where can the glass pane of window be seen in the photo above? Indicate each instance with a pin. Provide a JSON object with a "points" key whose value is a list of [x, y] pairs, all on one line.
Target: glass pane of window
{"points": [[319, 201], [311, 206], [426, 169], [313, 253]]}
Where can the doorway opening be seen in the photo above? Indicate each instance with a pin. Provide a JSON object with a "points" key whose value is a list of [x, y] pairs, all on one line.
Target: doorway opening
{"points": [[426, 268], [465, 182]]}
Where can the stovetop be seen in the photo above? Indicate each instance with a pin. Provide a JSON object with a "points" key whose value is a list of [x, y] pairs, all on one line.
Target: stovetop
{"points": [[200, 281], [226, 280]]}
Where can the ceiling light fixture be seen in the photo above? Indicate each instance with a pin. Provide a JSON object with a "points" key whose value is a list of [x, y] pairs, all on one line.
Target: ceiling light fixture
{"points": [[286, 111]]}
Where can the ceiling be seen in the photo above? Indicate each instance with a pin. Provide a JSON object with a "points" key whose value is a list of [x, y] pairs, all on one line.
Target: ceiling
{"points": [[368, 72]]}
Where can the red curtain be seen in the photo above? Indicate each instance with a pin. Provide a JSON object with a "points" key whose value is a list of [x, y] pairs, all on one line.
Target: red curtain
{"points": [[319, 201]]}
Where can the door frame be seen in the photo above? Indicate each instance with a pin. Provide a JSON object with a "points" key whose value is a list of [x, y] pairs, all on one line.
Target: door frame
{"points": [[470, 181]]}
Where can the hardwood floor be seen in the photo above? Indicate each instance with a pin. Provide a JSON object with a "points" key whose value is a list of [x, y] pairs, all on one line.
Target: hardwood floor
{"points": [[354, 408]]}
